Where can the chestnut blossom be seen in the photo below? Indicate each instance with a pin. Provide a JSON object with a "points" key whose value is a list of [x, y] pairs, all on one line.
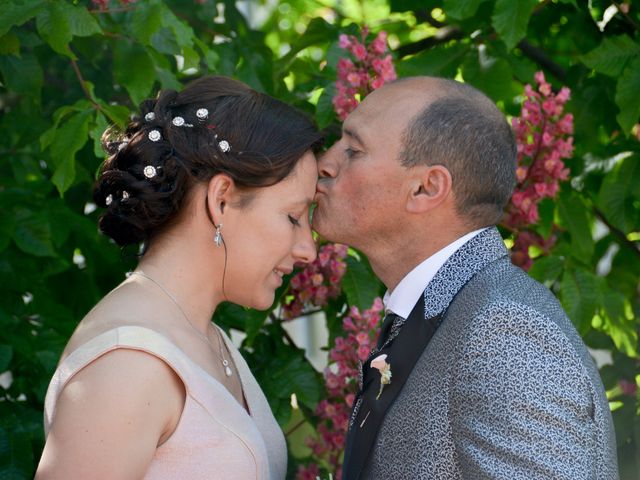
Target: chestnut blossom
{"points": [[543, 137], [367, 70], [360, 334]]}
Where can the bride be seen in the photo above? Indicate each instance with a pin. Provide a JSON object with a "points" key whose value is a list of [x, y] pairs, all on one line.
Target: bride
{"points": [[216, 181]]}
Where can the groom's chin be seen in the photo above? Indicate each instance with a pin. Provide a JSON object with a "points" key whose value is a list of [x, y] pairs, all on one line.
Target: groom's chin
{"points": [[322, 225]]}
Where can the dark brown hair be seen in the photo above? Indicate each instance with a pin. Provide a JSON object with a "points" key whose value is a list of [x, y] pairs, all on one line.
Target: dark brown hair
{"points": [[267, 139]]}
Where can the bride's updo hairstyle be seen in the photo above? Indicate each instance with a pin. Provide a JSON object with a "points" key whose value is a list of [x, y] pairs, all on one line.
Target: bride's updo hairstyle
{"points": [[214, 125]]}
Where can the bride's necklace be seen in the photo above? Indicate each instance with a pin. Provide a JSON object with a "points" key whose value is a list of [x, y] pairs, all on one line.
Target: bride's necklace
{"points": [[225, 363]]}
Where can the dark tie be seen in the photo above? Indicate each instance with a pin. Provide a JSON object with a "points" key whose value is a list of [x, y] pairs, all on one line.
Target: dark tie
{"points": [[385, 330]]}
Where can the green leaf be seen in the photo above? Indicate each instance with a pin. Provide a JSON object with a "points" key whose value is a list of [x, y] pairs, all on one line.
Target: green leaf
{"points": [[573, 213], [54, 26], [580, 297], [181, 30], [620, 328], [547, 269], [461, 9], [146, 19], [15, 13], [167, 79], [69, 138], [118, 114], [295, 375], [442, 60], [318, 31], [82, 23], [10, 45], [22, 74], [627, 97], [99, 126], [16, 455], [615, 198], [134, 70], [325, 113], [611, 56], [510, 19], [7, 227], [490, 74], [6, 353], [360, 284], [546, 211], [33, 233]]}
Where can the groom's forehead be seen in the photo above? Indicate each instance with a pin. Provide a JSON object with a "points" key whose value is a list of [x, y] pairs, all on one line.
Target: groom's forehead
{"points": [[383, 114]]}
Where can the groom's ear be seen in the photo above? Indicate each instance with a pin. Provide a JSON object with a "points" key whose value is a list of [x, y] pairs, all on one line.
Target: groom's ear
{"points": [[430, 187]]}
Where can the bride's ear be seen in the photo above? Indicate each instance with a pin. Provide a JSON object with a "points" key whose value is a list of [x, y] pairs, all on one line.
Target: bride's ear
{"points": [[220, 189]]}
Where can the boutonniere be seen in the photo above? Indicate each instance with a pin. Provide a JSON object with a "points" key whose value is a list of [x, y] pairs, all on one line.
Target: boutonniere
{"points": [[384, 368]]}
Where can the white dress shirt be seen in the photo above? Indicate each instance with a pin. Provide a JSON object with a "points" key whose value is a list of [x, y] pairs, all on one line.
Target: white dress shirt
{"points": [[406, 294]]}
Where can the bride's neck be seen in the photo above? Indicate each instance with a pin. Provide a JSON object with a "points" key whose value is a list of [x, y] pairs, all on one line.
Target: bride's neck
{"points": [[188, 270]]}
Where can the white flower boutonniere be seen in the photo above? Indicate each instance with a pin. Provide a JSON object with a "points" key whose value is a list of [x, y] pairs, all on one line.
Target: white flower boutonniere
{"points": [[384, 368]]}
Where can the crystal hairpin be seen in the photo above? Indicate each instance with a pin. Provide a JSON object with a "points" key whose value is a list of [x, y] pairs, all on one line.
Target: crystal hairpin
{"points": [[122, 145], [108, 200], [179, 122], [154, 135], [150, 171], [202, 113], [150, 117], [125, 195], [224, 146]]}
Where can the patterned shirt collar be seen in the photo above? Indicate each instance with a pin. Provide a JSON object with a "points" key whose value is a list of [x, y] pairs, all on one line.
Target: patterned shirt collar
{"points": [[472, 257], [402, 299]]}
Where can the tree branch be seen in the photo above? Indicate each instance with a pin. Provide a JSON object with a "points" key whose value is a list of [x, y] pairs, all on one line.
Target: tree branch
{"points": [[442, 36], [74, 64], [616, 231], [538, 56]]}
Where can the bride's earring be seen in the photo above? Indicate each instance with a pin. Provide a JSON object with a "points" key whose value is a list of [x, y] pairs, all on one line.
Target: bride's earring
{"points": [[217, 239]]}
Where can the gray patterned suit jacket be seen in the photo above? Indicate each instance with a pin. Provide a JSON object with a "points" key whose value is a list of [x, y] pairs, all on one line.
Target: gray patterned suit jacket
{"points": [[505, 389]]}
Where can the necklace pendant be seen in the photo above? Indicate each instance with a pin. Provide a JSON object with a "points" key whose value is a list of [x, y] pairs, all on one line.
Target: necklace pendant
{"points": [[227, 369]]}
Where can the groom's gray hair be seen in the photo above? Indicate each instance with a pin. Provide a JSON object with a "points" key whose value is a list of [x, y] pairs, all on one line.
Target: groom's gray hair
{"points": [[464, 131]]}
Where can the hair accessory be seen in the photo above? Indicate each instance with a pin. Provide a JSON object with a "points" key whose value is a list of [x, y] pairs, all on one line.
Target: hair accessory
{"points": [[150, 171], [202, 113], [150, 117], [125, 195], [178, 121], [122, 145], [109, 200], [224, 146], [217, 239], [154, 135]]}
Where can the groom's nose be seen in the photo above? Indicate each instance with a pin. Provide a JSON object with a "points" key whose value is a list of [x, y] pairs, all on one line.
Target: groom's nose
{"points": [[327, 165]]}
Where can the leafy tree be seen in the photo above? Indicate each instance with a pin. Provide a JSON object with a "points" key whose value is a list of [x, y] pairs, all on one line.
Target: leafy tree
{"points": [[70, 69]]}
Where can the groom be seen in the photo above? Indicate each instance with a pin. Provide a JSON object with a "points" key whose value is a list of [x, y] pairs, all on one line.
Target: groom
{"points": [[489, 379]]}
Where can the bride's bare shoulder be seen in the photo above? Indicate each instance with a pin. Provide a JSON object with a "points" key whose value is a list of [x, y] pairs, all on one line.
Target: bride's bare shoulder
{"points": [[124, 305]]}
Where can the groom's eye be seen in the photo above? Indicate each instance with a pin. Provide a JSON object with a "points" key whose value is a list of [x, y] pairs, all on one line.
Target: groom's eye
{"points": [[350, 152]]}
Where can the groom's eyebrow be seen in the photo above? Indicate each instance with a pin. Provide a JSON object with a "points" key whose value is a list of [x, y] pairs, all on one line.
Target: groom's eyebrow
{"points": [[349, 132]]}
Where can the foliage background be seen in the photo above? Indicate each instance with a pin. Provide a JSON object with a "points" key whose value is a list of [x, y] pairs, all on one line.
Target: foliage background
{"points": [[68, 69]]}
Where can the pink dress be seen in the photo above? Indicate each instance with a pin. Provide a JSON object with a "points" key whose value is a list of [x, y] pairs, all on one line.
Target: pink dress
{"points": [[215, 437]]}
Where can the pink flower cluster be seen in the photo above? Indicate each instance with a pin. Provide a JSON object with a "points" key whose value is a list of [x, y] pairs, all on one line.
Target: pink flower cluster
{"points": [[543, 135], [368, 69], [361, 331], [317, 282]]}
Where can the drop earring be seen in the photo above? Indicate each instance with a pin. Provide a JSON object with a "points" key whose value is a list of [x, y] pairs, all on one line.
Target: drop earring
{"points": [[217, 239]]}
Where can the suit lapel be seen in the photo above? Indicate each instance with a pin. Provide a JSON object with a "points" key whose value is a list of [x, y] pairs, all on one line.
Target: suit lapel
{"points": [[405, 348], [402, 354]]}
